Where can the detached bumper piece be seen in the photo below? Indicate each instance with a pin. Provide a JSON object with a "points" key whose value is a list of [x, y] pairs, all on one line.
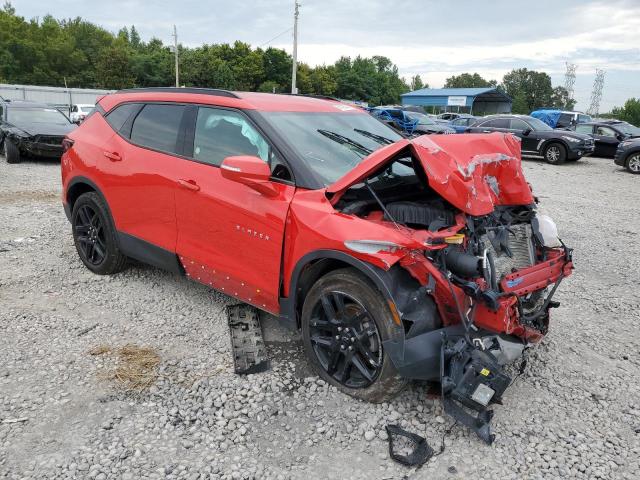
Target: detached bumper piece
{"points": [[471, 380], [247, 344], [420, 449]]}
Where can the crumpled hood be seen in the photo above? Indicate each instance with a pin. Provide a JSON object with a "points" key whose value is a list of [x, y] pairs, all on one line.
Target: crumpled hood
{"points": [[473, 172]]}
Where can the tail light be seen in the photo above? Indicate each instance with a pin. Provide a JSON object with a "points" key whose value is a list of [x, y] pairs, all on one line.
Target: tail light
{"points": [[67, 143]]}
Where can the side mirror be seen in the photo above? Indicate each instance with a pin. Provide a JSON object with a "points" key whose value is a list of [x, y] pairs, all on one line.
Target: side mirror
{"points": [[620, 137], [250, 171], [526, 131]]}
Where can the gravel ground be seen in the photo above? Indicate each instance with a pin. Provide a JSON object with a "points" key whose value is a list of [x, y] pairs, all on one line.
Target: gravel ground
{"points": [[575, 413]]}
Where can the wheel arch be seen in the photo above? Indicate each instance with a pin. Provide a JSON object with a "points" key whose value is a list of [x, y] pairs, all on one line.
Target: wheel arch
{"points": [[550, 141], [76, 187]]}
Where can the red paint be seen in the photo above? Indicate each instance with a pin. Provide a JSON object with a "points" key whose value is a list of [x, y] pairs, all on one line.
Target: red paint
{"points": [[235, 230]]}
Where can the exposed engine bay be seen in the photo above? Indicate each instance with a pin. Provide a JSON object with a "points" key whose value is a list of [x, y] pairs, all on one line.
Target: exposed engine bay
{"points": [[489, 278]]}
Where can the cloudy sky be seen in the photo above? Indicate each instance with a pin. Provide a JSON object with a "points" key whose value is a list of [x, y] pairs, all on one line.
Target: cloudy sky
{"points": [[435, 39]]}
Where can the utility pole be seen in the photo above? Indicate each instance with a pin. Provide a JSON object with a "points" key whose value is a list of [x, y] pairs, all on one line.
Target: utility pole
{"points": [[175, 49], [294, 89]]}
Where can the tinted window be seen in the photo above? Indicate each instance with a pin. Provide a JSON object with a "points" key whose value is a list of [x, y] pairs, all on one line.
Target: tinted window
{"points": [[156, 126], [36, 115], [223, 133], [588, 129], [565, 119], [119, 115], [496, 123], [517, 124], [605, 132]]}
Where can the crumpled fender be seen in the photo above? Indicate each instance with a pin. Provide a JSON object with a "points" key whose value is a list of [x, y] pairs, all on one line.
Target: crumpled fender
{"points": [[473, 172]]}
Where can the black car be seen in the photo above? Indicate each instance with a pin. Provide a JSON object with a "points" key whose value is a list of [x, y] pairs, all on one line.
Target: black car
{"points": [[607, 135], [538, 138], [628, 155], [31, 129]]}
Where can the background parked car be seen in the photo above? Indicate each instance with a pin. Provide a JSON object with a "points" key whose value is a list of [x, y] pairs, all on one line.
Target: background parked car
{"points": [[607, 135], [628, 155], [538, 138], [409, 122], [560, 118], [29, 128], [80, 111], [461, 123]]}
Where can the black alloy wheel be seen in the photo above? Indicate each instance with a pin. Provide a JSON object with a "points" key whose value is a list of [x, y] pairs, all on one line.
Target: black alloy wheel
{"points": [[90, 234], [346, 340]]}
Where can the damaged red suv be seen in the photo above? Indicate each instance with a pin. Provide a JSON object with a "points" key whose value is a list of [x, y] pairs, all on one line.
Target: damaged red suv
{"points": [[398, 259]]}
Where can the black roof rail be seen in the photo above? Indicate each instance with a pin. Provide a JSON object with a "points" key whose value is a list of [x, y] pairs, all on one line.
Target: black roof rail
{"points": [[202, 91], [311, 95]]}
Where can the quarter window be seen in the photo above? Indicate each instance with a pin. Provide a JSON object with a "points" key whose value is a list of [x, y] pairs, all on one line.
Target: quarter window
{"points": [[120, 114], [222, 133], [157, 126]]}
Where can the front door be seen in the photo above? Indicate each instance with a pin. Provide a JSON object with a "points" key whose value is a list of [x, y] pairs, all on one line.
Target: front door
{"points": [[230, 236], [606, 142]]}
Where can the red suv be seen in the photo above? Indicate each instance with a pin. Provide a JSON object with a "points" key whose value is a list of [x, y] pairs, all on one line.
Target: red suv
{"points": [[399, 259]]}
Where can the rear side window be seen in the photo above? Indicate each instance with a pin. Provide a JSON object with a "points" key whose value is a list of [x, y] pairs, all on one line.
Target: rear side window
{"points": [[517, 124], [157, 127], [120, 114], [222, 133], [496, 123], [588, 129]]}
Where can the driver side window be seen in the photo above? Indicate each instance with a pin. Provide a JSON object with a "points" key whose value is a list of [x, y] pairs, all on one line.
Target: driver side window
{"points": [[223, 133]]}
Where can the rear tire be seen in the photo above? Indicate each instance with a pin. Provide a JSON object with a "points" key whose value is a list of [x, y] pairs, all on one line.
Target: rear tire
{"points": [[555, 153], [633, 163], [95, 235], [11, 151], [346, 305]]}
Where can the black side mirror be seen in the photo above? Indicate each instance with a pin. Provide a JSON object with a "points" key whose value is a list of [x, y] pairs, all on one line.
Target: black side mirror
{"points": [[526, 131], [620, 137]]}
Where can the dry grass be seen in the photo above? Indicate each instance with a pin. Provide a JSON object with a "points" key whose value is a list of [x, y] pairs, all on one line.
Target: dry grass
{"points": [[136, 367]]}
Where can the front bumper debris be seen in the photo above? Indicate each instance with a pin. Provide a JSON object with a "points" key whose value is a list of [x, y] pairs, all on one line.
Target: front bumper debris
{"points": [[471, 379]]}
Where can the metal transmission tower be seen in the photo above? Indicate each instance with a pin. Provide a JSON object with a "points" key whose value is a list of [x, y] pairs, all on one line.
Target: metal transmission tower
{"points": [[596, 93], [570, 79], [294, 70]]}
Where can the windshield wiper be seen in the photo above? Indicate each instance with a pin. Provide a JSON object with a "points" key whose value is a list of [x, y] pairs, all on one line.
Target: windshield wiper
{"points": [[374, 136], [342, 140]]}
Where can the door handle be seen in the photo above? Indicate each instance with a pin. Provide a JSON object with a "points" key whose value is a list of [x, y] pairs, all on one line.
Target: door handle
{"points": [[113, 156], [189, 184]]}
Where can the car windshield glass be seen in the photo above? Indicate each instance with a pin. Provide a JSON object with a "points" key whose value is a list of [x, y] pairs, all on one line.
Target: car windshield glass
{"points": [[538, 124], [628, 128], [36, 115], [422, 119], [330, 143]]}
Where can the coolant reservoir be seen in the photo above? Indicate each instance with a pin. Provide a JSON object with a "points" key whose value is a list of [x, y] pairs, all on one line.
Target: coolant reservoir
{"points": [[546, 231]]}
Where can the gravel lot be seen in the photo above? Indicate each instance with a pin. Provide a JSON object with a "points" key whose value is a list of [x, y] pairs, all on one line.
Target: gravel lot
{"points": [[575, 413]]}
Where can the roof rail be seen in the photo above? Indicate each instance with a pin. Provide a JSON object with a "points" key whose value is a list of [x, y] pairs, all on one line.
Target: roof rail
{"points": [[311, 95], [202, 91]]}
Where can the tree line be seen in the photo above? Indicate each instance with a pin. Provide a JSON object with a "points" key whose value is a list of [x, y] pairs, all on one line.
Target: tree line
{"points": [[77, 53]]}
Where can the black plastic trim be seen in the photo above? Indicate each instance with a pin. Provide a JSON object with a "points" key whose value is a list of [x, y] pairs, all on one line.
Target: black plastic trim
{"points": [[149, 253]]}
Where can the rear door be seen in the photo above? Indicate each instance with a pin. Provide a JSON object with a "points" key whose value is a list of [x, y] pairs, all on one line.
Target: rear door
{"points": [[229, 235], [138, 168]]}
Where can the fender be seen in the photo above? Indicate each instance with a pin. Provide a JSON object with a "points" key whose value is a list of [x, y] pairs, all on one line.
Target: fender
{"points": [[412, 308], [76, 181]]}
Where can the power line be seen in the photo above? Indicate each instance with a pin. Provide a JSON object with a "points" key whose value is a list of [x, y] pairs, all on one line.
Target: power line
{"points": [[277, 36]]}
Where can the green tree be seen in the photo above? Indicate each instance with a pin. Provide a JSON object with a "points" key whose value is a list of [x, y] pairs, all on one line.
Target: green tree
{"points": [[531, 87], [416, 83], [468, 80], [323, 80], [114, 68], [560, 99], [630, 112]]}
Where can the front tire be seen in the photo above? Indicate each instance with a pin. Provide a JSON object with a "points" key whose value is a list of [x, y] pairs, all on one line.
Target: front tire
{"points": [[95, 235], [11, 151], [555, 153], [345, 321], [633, 163]]}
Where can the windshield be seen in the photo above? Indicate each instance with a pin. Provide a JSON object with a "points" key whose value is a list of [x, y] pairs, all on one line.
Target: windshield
{"points": [[628, 129], [36, 115], [422, 118], [331, 144], [538, 124]]}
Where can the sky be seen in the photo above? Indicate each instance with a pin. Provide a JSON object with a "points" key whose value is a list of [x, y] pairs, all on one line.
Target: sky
{"points": [[435, 39]]}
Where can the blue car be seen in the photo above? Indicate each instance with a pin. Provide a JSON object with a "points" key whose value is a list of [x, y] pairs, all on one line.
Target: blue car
{"points": [[461, 123], [409, 122]]}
